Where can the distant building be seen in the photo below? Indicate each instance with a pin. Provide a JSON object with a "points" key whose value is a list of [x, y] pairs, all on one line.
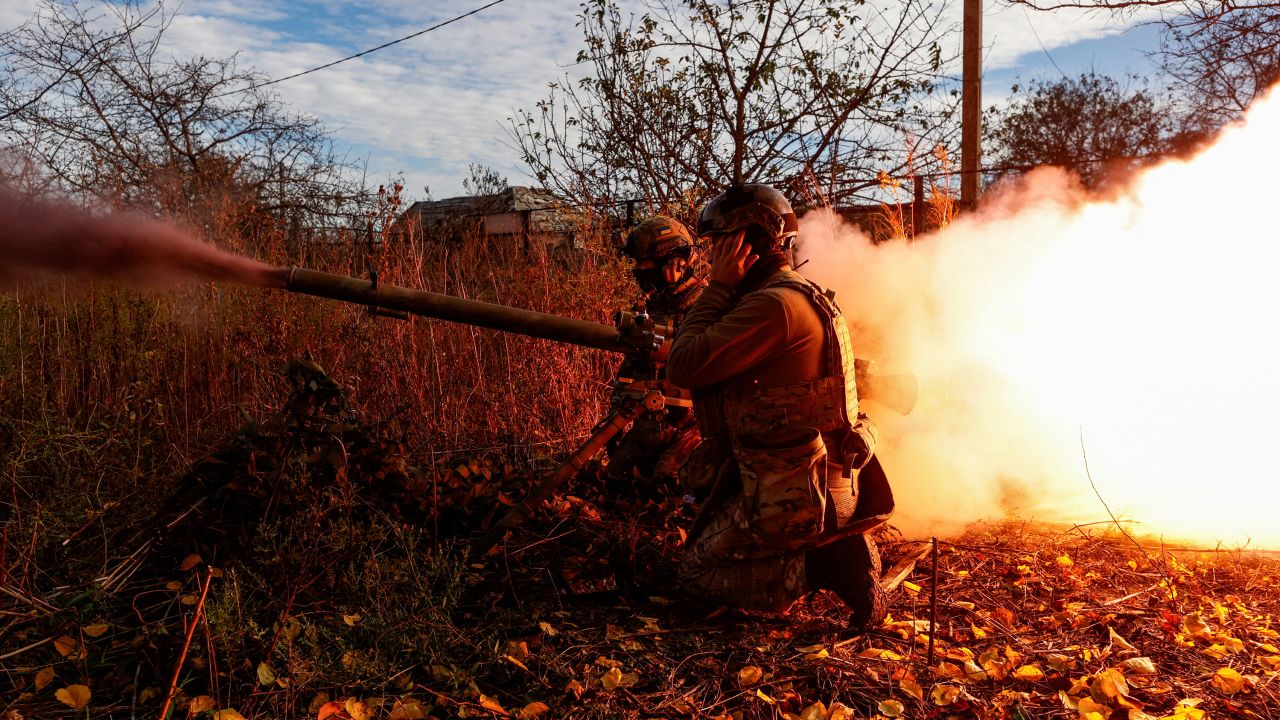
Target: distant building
{"points": [[522, 214]]}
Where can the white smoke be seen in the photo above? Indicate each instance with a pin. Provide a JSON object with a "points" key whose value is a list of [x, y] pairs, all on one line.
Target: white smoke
{"points": [[1046, 325]]}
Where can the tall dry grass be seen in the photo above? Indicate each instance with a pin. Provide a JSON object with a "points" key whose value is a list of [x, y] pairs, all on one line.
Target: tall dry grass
{"points": [[116, 388]]}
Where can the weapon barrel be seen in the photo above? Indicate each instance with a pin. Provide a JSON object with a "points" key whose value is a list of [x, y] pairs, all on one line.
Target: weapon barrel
{"points": [[448, 307]]}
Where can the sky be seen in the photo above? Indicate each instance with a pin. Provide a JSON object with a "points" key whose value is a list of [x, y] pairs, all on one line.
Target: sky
{"points": [[427, 108]]}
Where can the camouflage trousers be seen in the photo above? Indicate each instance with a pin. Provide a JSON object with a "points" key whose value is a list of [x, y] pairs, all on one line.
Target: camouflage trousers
{"points": [[726, 564], [751, 549]]}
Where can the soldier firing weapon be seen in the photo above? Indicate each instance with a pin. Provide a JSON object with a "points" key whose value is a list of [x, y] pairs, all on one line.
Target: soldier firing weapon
{"points": [[634, 334]]}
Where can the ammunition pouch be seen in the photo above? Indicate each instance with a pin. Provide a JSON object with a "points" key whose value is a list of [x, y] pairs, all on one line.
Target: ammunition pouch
{"points": [[783, 486]]}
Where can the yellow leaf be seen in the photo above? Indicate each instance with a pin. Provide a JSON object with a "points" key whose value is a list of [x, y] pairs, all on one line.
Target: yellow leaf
{"points": [[749, 675], [1090, 709], [533, 709], [1195, 626], [200, 704], [67, 646], [1030, 673], [75, 696], [95, 630], [1227, 681], [811, 648], [227, 714], [978, 633], [964, 605], [891, 708], [611, 679], [880, 654], [1271, 661], [187, 599], [359, 710], [1139, 666], [944, 694], [546, 628], [1064, 561], [265, 675], [910, 587], [761, 694], [43, 678], [1119, 641], [817, 655], [352, 619]]}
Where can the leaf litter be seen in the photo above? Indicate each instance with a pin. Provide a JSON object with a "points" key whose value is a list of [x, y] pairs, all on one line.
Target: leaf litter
{"points": [[576, 615]]}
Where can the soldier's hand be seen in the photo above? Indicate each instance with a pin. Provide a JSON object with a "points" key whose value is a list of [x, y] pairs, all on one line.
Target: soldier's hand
{"points": [[731, 258]]}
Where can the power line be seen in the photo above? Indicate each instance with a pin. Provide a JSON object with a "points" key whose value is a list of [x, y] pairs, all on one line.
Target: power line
{"points": [[362, 53]]}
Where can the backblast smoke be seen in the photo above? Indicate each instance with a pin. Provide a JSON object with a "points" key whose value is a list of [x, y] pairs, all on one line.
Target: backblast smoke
{"points": [[1080, 357], [43, 236]]}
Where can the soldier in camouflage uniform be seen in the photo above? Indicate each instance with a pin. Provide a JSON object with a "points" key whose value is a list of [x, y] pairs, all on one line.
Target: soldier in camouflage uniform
{"points": [[787, 461], [670, 277]]}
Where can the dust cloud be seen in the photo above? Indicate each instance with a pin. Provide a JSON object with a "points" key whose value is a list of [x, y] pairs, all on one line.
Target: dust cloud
{"points": [[41, 236], [1073, 351]]}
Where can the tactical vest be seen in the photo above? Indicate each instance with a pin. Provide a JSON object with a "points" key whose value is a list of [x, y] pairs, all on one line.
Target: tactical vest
{"points": [[828, 404]]}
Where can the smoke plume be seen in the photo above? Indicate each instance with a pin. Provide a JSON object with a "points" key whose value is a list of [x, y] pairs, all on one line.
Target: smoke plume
{"points": [[44, 236], [1074, 351]]}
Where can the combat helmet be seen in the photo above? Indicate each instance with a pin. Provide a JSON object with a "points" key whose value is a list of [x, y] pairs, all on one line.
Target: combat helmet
{"points": [[657, 239], [742, 206]]}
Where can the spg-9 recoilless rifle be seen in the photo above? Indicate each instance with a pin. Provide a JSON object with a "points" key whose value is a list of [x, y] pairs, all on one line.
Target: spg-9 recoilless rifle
{"points": [[633, 333]]}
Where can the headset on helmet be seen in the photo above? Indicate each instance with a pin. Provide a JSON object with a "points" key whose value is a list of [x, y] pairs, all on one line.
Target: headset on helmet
{"points": [[658, 238], [742, 206]]}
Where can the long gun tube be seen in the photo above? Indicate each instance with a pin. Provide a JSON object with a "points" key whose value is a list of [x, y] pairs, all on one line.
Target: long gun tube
{"points": [[383, 297], [897, 392]]}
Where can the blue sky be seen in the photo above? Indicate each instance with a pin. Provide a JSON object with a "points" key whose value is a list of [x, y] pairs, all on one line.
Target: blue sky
{"points": [[428, 107]]}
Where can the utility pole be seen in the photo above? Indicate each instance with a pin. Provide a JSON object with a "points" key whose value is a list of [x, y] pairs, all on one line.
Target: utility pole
{"points": [[971, 105]]}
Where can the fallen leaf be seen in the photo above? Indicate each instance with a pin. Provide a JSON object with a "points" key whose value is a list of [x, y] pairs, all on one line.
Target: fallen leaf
{"points": [[911, 686], [533, 709], [227, 714], [546, 628], [189, 562], [765, 697], [265, 675], [1139, 666], [43, 678], [945, 694], [891, 708], [352, 619], [840, 711], [1227, 681], [1030, 673], [75, 696], [67, 646], [749, 675], [332, 710], [359, 710], [200, 704], [1118, 641], [1064, 561], [95, 630], [611, 679], [490, 704]]}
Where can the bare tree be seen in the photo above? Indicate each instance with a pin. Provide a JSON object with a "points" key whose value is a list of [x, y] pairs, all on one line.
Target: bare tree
{"points": [[1221, 55], [696, 94], [98, 104]]}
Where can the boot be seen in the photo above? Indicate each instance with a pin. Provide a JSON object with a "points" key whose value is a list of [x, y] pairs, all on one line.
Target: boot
{"points": [[850, 567]]}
